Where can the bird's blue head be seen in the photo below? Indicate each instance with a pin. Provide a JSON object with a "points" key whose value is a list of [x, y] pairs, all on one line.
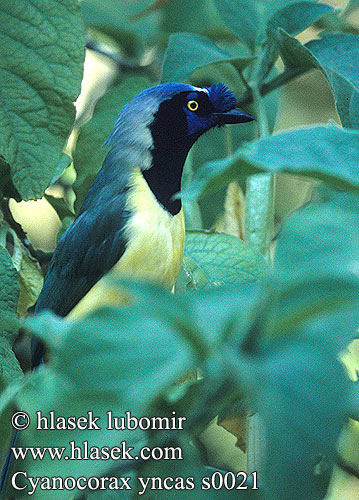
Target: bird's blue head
{"points": [[190, 111], [158, 127], [211, 107]]}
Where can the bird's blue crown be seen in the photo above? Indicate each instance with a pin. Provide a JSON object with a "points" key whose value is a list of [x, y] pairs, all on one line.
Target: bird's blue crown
{"points": [[222, 97]]}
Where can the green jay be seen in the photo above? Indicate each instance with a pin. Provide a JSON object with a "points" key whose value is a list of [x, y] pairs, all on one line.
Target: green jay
{"points": [[129, 220]]}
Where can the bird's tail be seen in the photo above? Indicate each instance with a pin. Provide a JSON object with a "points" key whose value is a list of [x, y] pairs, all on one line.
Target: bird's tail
{"points": [[37, 358], [8, 463], [37, 353]]}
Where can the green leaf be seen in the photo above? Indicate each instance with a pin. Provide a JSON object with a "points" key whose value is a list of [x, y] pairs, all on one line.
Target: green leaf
{"points": [[7, 189], [107, 343], [214, 259], [90, 151], [322, 152], [308, 317], [9, 296], [297, 152], [29, 275], [116, 359], [337, 56], [60, 206], [10, 370], [301, 393], [42, 54], [351, 7], [31, 281], [248, 20], [325, 286], [354, 110], [296, 17], [120, 23], [180, 60], [225, 314], [178, 16], [244, 18]]}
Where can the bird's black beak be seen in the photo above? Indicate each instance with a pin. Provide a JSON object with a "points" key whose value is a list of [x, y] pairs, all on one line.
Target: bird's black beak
{"points": [[233, 116]]}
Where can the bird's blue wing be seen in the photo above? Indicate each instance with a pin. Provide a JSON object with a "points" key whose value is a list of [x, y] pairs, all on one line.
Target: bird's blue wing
{"points": [[86, 251]]}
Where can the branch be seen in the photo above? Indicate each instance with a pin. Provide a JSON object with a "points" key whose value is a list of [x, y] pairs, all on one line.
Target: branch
{"points": [[124, 64], [280, 80]]}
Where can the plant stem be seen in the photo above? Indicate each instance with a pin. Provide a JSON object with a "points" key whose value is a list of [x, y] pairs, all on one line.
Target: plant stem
{"points": [[260, 193], [265, 88], [260, 212], [228, 141], [262, 119], [191, 208], [258, 230]]}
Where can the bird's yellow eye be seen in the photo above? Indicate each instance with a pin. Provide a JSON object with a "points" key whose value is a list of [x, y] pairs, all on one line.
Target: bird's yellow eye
{"points": [[192, 105]]}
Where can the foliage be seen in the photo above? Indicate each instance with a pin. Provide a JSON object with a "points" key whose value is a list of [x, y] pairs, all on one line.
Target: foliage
{"points": [[42, 55], [240, 335]]}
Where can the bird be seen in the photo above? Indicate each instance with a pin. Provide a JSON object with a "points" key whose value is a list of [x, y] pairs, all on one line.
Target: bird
{"points": [[130, 221]]}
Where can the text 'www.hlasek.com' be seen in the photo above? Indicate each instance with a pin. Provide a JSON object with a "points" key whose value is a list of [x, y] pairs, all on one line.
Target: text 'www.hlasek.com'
{"points": [[122, 451]]}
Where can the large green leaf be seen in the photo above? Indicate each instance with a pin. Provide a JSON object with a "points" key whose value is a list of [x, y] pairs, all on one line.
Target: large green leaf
{"points": [[97, 355], [302, 391], [118, 20], [31, 281], [9, 296], [117, 359], [248, 20], [312, 312], [29, 275], [298, 16], [337, 56], [293, 18], [318, 278], [10, 370], [90, 151], [200, 17], [243, 18], [351, 7], [41, 51], [226, 313], [321, 152], [214, 259], [181, 60], [307, 313]]}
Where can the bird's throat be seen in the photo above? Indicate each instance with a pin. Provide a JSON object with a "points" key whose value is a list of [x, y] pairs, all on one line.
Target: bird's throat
{"points": [[171, 144], [164, 177]]}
